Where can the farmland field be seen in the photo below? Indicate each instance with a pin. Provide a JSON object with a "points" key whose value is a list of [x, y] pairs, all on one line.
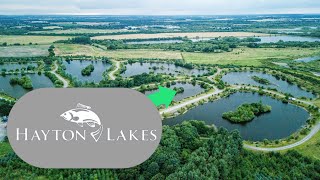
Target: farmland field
{"points": [[77, 49], [82, 31], [31, 39], [74, 50], [249, 56], [189, 35], [24, 51]]}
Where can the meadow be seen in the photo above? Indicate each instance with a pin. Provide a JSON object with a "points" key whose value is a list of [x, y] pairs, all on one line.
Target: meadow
{"points": [[249, 56], [11, 39], [189, 35], [311, 148], [77, 50], [82, 31], [24, 51]]}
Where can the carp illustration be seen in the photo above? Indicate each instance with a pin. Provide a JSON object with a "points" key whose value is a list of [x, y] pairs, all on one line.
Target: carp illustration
{"points": [[83, 115]]}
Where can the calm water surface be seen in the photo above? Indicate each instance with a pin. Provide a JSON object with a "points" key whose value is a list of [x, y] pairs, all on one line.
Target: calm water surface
{"points": [[74, 68], [38, 81], [308, 59], [189, 90], [156, 42], [275, 39], [139, 68], [281, 122], [280, 85], [14, 66]]}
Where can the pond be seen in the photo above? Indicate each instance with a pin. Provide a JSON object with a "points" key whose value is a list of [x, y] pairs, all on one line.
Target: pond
{"points": [[189, 90], [316, 74], [308, 59], [165, 68], [3, 130], [280, 85], [14, 66], [200, 39], [155, 42], [75, 67], [275, 39], [38, 81], [281, 122]]}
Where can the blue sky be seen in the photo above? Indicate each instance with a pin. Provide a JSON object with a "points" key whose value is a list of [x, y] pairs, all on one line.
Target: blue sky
{"points": [[159, 7]]}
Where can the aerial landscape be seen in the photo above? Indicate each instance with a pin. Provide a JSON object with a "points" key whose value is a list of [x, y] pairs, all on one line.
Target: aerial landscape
{"points": [[248, 88]]}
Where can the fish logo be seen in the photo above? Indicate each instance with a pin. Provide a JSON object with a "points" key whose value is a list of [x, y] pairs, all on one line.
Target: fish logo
{"points": [[83, 115]]}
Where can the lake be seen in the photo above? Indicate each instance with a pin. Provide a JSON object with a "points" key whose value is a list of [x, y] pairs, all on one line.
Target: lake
{"points": [[38, 81], [200, 39], [308, 59], [189, 90], [165, 68], [275, 39], [281, 122], [280, 85], [3, 131], [14, 66], [74, 68], [155, 42]]}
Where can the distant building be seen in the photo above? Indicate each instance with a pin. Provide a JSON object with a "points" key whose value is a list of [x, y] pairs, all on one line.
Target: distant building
{"points": [[292, 99]]}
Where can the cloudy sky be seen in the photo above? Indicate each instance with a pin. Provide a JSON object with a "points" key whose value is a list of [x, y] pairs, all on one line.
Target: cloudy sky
{"points": [[159, 7]]}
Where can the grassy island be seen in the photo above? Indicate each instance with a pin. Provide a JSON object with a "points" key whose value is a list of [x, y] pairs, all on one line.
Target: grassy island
{"points": [[261, 80], [24, 81], [87, 70], [246, 112], [179, 89]]}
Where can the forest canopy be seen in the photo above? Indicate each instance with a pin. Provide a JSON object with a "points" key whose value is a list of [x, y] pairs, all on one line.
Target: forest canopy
{"points": [[191, 150]]}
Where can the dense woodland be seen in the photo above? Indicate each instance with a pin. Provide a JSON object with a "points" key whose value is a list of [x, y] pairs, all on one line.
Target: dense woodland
{"points": [[5, 107], [191, 150]]}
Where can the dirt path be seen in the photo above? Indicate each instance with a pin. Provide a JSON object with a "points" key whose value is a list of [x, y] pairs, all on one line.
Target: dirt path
{"points": [[313, 131], [54, 71], [111, 74], [197, 99], [211, 78]]}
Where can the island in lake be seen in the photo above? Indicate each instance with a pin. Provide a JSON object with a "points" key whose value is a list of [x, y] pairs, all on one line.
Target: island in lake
{"points": [[246, 112], [261, 80]]}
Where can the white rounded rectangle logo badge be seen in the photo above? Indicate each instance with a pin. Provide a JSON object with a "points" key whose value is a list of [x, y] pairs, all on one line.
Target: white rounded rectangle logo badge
{"points": [[84, 128]]}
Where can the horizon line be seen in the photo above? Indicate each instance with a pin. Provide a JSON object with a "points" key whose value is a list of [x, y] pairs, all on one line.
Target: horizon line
{"points": [[75, 14]]}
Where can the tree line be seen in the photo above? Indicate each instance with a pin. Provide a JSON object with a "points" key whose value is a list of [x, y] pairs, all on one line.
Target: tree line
{"points": [[191, 150]]}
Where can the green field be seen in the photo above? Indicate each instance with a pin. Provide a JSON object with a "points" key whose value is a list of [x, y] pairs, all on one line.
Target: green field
{"points": [[153, 54], [249, 56], [82, 31], [180, 34], [311, 148], [5, 148], [24, 51], [75, 49], [31, 39], [317, 102]]}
